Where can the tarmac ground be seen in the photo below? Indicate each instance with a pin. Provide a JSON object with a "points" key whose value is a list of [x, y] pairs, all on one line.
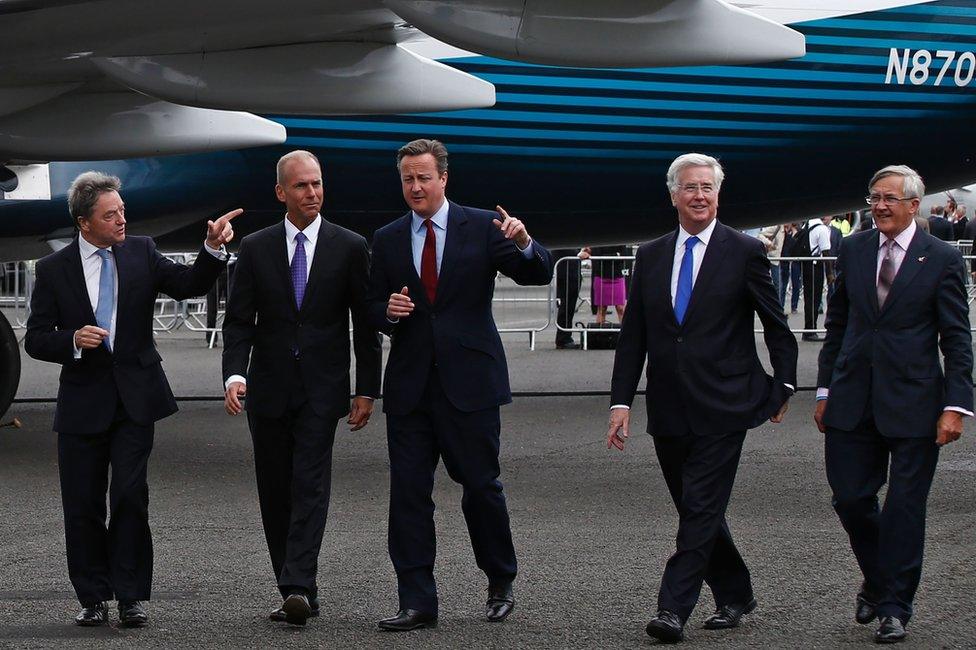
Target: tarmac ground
{"points": [[592, 528]]}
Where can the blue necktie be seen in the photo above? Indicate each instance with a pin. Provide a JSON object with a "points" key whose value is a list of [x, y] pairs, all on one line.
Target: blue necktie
{"points": [[683, 295], [299, 269], [106, 295]]}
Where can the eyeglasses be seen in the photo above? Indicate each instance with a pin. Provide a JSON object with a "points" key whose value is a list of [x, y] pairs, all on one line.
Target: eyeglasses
{"points": [[875, 199], [694, 188]]}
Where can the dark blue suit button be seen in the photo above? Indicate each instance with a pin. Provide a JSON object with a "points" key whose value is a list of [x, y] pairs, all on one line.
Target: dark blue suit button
{"points": [[680, 340]]}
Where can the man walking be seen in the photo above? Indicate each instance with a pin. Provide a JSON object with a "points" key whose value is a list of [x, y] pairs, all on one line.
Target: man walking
{"points": [[693, 301]]}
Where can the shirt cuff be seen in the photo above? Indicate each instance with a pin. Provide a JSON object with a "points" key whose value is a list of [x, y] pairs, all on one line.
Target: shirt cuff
{"points": [[790, 386], [232, 379], [220, 254], [822, 394], [619, 406], [527, 251], [372, 399], [390, 320], [958, 409], [76, 351]]}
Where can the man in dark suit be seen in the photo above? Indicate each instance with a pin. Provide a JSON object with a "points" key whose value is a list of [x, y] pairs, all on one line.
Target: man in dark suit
{"points": [[959, 226], [92, 312], [431, 287], [286, 346], [900, 297], [690, 314], [939, 226]]}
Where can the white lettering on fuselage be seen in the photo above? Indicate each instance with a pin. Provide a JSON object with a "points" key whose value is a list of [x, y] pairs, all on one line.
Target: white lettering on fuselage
{"points": [[917, 67]]}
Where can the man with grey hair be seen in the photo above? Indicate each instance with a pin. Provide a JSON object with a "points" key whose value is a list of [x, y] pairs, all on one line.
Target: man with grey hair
{"points": [[884, 403], [286, 346], [91, 312], [694, 297]]}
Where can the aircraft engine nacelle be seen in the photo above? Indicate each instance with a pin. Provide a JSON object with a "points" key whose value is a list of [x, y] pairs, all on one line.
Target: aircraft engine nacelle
{"points": [[93, 126], [608, 33], [322, 79]]}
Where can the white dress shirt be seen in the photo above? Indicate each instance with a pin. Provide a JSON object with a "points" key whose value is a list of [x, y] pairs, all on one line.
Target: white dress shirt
{"points": [[698, 253], [819, 237], [311, 233], [91, 264]]}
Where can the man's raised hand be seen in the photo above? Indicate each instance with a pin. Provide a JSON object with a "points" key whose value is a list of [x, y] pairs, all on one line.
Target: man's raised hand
{"points": [[512, 228], [220, 232]]}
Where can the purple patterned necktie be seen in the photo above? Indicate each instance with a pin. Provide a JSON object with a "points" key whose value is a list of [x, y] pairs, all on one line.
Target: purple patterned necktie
{"points": [[299, 269]]}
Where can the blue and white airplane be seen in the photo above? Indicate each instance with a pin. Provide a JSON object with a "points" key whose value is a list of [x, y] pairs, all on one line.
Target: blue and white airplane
{"points": [[567, 112]]}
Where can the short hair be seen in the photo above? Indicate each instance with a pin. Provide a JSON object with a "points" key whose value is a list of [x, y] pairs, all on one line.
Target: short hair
{"points": [[687, 160], [419, 147], [85, 190], [290, 156], [912, 185], [940, 210]]}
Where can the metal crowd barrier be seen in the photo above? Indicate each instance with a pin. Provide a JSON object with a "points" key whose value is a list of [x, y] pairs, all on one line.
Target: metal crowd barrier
{"points": [[965, 246], [16, 285]]}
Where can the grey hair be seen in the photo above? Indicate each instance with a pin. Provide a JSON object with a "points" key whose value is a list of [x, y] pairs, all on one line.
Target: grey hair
{"points": [[687, 160], [419, 147], [912, 185], [85, 190], [290, 156]]}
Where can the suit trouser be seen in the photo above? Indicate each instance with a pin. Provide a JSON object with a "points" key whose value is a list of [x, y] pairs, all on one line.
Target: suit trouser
{"points": [[293, 466], [117, 560], [887, 542], [469, 443], [700, 472], [813, 284]]}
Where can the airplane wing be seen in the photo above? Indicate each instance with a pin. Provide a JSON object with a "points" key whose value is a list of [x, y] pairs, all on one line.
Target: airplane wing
{"points": [[89, 79]]}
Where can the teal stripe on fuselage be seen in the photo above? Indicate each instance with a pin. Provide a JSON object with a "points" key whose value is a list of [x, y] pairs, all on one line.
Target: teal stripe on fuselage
{"points": [[883, 44], [508, 132], [884, 94], [896, 26]]}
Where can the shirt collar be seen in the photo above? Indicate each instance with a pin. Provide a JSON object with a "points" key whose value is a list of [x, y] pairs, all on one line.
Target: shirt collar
{"points": [[439, 219], [904, 238], [311, 230], [87, 248], [703, 236]]}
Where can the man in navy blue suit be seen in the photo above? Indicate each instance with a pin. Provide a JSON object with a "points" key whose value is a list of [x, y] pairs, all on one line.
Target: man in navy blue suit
{"points": [[694, 298], [92, 312], [883, 402], [431, 286]]}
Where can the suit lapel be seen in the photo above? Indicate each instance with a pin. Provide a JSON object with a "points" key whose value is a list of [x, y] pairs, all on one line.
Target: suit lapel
{"points": [[278, 255], [456, 234], [661, 275], [327, 231], [403, 242], [867, 269], [709, 266], [124, 270], [74, 272], [914, 259]]}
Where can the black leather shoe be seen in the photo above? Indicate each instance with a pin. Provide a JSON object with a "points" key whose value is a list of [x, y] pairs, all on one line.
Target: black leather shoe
{"points": [[131, 614], [666, 626], [280, 616], [297, 609], [501, 602], [408, 619], [813, 337], [891, 630], [92, 615], [864, 611], [728, 616], [568, 345]]}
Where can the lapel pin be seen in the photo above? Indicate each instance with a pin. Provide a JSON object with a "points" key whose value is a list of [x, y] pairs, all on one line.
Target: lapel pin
{"points": [[921, 259]]}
